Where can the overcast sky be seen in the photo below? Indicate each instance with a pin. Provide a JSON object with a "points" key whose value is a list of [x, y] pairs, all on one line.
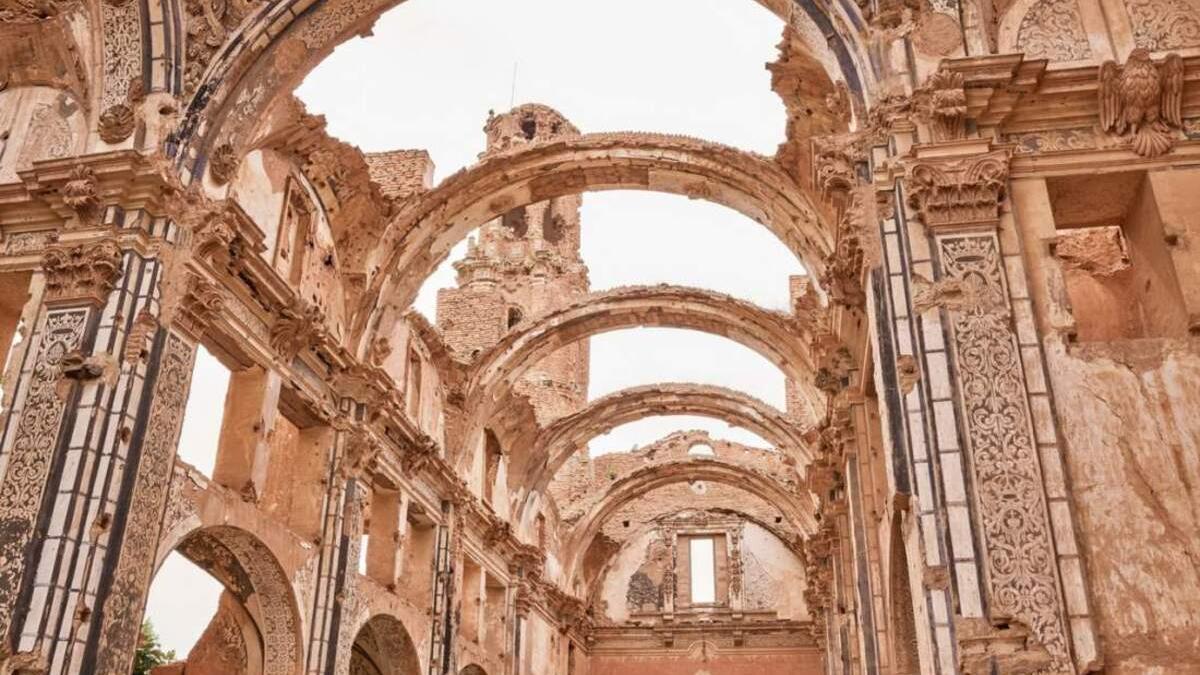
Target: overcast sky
{"points": [[427, 79]]}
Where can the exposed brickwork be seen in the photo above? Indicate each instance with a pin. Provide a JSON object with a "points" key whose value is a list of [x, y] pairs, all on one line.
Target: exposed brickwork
{"points": [[400, 174]]}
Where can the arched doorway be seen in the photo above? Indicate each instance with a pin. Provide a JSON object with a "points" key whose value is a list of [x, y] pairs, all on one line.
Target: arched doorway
{"points": [[383, 647], [256, 627]]}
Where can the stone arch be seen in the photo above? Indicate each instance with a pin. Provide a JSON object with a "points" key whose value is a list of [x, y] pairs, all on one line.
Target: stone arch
{"points": [[383, 646], [252, 575], [778, 337], [798, 510], [473, 669], [421, 236], [571, 434], [270, 52]]}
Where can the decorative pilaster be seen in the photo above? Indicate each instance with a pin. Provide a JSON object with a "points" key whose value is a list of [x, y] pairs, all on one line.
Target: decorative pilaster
{"points": [[958, 190], [78, 279], [186, 312]]}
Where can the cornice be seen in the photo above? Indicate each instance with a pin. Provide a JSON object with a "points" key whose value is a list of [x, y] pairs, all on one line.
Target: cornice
{"points": [[1010, 94]]}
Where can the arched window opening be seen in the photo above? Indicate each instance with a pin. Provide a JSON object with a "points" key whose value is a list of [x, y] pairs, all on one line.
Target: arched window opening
{"points": [[701, 450], [515, 316], [516, 223], [493, 454], [529, 127], [412, 390]]}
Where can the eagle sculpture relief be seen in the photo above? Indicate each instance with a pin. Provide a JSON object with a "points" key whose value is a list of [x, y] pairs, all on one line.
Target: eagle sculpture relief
{"points": [[1143, 100]]}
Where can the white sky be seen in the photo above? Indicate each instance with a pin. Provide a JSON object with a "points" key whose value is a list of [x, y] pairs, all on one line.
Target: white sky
{"points": [[427, 79]]}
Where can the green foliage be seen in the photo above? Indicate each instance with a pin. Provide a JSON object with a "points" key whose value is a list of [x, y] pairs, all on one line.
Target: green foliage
{"points": [[150, 653]]}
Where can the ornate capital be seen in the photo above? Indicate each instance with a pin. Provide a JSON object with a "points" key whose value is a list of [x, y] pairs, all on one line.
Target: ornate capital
{"points": [[416, 457], [843, 270], [82, 273], [367, 385], [958, 192], [834, 160]]}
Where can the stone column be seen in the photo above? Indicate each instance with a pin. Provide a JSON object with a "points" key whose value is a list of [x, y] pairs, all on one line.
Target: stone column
{"points": [[982, 423], [383, 556]]}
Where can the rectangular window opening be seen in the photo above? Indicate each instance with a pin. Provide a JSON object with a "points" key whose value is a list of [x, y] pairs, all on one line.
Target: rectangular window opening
{"points": [[703, 570]]}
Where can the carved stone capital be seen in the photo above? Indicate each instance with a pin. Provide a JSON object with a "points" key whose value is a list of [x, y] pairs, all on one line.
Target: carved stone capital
{"points": [[359, 455], [416, 457], [365, 384], [834, 160], [83, 272], [958, 192], [843, 270]]}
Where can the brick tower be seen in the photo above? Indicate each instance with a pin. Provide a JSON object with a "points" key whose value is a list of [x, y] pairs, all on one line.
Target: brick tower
{"points": [[523, 264]]}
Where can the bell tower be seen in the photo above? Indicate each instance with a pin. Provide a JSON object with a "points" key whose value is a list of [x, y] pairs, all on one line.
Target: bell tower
{"points": [[523, 264]]}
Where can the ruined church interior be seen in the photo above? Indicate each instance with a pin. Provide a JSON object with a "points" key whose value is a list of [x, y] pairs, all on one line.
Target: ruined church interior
{"points": [[964, 437]]}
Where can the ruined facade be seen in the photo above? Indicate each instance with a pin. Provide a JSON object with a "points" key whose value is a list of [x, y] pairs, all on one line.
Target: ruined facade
{"points": [[988, 462]]}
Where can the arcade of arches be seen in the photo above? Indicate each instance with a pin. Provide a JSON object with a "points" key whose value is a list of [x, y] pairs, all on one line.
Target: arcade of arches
{"points": [[989, 457]]}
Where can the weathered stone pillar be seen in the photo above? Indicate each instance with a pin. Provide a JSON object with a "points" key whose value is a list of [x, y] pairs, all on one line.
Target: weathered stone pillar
{"points": [[383, 555], [251, 404]]}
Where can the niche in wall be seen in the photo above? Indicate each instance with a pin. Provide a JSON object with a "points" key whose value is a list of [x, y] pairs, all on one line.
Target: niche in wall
{"points": [[1116, 258]]}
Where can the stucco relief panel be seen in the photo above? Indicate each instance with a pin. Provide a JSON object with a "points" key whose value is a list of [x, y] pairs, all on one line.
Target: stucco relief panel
{"points": [[27, 465], [1053, 29], [1018, 547], [1162, 25], [122, 50]]}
